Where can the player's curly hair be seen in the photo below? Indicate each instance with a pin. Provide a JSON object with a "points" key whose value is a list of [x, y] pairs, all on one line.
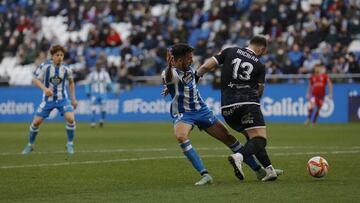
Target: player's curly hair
{"points": [[57, 48]]}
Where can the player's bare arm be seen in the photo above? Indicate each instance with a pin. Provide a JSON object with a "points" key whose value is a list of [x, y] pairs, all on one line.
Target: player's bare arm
{"points": [[165, 91], [72, 93], [330, 89], [168, 72], [48, 92], [209, 65]]}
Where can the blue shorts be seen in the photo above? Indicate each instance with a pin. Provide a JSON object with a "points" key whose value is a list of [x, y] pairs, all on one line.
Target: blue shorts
{"points": [[97, 99], [62, 106], [204, 118]]}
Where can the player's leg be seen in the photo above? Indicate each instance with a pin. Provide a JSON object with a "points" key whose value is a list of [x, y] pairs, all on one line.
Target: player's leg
{"points": [[310, 111], [221, 133], [256, 145], [249, 120], [42, 112], [33, 132], [319, 103], [70, 131], [102, 112], [93, 111], [67, 110], [261, 173], [182, 131]]}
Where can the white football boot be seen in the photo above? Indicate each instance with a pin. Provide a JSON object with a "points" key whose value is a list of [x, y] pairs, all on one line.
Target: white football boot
{"points": [[270, 174], [236, 161], [205, 179]]}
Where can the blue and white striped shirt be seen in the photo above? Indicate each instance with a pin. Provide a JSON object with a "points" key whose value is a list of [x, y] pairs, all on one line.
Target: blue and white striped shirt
{"points": [[54, 78], [99, 81], [184, 93]]}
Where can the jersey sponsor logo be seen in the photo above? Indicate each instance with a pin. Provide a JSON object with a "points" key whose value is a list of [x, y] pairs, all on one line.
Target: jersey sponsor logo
{"points": [[230, 110], [56, 80], [187, 78], [247, 119], [238, 86], [288, 106]]}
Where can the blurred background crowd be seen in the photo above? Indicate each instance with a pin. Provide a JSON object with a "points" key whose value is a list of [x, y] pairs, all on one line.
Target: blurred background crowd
{"points": [[131, 37]]}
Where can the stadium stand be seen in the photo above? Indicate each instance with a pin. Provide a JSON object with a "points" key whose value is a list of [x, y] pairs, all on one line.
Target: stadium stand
{"points": [[131, 36]]}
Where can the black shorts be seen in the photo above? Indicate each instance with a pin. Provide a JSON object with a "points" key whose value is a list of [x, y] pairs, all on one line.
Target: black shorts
{"points": [[243, 117]]}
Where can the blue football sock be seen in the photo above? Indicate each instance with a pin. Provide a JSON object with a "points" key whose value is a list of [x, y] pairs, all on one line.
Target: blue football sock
{"points": [[70, 129], [93, 116], [250, 161], [193, 157], [33, 133], [103, 114]]}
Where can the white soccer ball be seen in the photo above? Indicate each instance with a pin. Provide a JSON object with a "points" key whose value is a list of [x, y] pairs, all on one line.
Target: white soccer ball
{"points": [[317, 167]]}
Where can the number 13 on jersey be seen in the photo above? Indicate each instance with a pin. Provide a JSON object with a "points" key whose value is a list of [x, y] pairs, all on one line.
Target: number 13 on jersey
{"points": [[244, 72]]}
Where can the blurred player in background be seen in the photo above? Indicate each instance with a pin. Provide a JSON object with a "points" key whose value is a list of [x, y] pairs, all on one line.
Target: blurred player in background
{"points": [[188, 109], [98, 84], [242, 85], [51, 77], [316, 92]]}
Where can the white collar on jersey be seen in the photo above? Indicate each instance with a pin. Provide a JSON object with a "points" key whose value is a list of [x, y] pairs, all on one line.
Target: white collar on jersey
{"points": [[248, 48]]}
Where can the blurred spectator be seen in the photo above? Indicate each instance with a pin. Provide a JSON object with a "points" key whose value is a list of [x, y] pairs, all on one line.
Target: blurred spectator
{"points": [[309, 61], [138, 33], [295, 56], [354, 66]]}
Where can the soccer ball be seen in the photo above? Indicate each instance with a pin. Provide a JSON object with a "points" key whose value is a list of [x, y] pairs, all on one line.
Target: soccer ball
{"points": [[317, 167]]}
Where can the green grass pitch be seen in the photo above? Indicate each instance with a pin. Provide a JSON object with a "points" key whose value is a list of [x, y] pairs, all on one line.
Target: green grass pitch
{"points": [[141, 162]]}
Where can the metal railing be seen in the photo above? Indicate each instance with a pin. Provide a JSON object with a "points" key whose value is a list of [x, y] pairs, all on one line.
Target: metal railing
{"points": [[275, 78]]}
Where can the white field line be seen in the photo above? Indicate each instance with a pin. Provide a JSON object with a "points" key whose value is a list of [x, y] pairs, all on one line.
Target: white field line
{"points": [[161, 158], [176, 149]]}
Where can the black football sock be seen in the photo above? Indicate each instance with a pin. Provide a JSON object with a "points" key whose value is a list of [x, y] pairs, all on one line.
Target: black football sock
{"points": [[248, 149], [261, 153]]}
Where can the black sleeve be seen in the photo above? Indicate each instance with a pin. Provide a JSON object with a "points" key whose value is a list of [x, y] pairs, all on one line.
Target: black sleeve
{"points": [[262, 74], [220, 57]]}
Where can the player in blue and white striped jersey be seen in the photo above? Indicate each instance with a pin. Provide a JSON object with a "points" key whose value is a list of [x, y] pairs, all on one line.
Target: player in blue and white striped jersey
{"points": [[51, 77], [98, 84], [188, 109]]}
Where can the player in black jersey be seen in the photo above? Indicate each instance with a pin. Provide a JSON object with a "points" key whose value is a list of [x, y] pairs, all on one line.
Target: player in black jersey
{"points": [[242, 85]]}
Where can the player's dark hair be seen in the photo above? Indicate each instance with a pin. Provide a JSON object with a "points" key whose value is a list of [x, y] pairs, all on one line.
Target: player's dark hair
{"points": [[57, 48], [259, 40], [180, 50]]}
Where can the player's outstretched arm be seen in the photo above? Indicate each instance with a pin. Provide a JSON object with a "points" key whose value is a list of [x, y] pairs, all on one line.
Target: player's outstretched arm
{"points": [[48, 92], [168, 72], [330, 89], [165, 91], [209, 65], [72, 93]]}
